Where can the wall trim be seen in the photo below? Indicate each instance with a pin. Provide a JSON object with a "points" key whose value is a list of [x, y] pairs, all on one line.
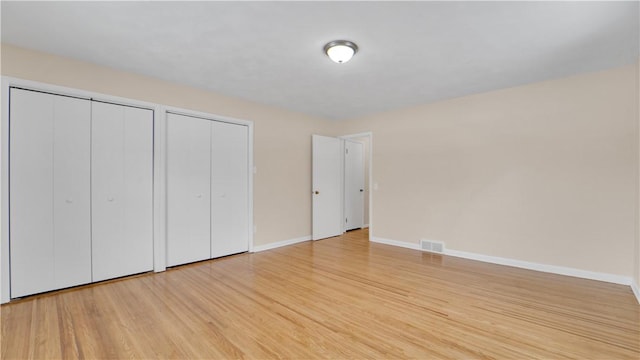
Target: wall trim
{"points": [[559, 270], [159, 190], [403, 244], [205, 115], [5, 277], [278, 244], [636, 290]]}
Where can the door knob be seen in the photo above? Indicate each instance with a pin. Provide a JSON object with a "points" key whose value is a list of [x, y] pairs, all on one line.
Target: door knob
{"points": [[199, 196], [69, 201], [361, 190], [110, 199], [316, 192]]}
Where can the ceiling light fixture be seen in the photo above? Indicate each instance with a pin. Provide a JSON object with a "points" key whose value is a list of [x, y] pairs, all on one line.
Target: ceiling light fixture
{"points": [[340, 51]]}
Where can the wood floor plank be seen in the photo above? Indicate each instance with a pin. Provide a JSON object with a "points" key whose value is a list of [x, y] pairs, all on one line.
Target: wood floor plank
{"points": [[336, 298]]}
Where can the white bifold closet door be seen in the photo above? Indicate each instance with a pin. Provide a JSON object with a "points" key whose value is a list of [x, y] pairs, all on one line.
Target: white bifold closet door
{"points": [[49, 179], [122, 190], [229, 189], [207, 189], [188, 189]]}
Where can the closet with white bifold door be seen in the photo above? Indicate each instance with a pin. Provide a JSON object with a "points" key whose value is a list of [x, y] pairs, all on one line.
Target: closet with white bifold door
{"points": [[207, 188], [121, 190], [49, 192], [80, 191]]}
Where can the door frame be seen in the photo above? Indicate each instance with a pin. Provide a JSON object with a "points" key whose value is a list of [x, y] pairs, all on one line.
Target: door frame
{"points": [[367, 134]]}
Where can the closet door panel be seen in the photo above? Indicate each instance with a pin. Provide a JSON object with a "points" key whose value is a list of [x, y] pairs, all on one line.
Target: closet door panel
{"points": [[72, 191], [31, 193], [122, 165], [188, 189], [229, 189], [107, 183], [138, 190], [49, 192]]}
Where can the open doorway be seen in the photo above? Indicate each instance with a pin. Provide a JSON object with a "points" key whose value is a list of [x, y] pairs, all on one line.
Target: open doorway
{"points": [[353, 183], [330, 212], [366, 140], [365, 144]]}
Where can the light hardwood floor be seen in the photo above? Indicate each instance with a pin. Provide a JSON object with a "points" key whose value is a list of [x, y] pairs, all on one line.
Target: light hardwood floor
{"points": [[337, 298]]}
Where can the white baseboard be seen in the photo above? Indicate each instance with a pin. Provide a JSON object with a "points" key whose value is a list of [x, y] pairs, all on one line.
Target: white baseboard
{"points": [[395, 243], [365, 226], [282, 243], [560, 270], [636, 290]]}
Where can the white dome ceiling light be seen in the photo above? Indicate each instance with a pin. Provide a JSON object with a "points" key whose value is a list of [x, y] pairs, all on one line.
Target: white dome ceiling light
{"points": [[340, 51]]}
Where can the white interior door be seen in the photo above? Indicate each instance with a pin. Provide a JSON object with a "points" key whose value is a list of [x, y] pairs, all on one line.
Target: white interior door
{"points": [[122, 190], [327, 186], [229, 189], [188, 189], [50, 236], [353, 185]]}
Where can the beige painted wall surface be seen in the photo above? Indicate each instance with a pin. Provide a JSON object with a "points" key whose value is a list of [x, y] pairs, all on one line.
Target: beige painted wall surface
{"points": [[543, 173], [282, 139]]}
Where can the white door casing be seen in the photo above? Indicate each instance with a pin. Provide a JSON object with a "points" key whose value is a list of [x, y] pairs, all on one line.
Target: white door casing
{"points": [[327, 184], [353, 185]]}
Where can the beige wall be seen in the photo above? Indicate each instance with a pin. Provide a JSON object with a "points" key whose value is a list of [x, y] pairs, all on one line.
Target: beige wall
{"points": [[282, 139], [545, 173]]}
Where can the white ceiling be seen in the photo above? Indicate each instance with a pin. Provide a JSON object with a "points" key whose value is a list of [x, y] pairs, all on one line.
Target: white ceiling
{"points": [[271, 52]]}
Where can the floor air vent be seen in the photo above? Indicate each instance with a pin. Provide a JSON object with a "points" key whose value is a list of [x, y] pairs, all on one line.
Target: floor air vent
{"points": [[432, 246]]}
